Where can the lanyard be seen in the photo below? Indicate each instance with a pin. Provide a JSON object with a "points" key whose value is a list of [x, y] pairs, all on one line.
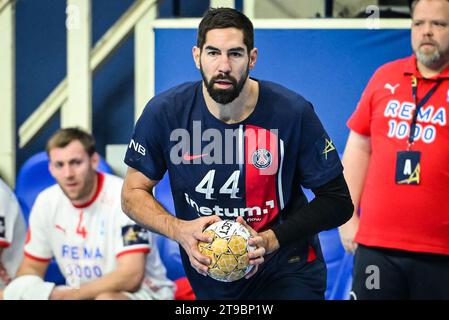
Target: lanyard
{"points": [[418, 105]]}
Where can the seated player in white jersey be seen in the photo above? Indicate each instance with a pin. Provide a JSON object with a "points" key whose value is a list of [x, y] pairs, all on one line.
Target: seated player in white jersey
{"points": [[12, 234], [79, 222]]}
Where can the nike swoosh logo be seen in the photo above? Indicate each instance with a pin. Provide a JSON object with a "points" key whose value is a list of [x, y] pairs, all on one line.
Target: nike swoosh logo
{"points": [[188, 157]]}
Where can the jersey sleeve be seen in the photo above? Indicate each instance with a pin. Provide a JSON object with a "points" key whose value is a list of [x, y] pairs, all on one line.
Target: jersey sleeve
{"points": [[37, 245], [9, 214], [318, 161], [360, 120], [129, 237], [145, 151]]}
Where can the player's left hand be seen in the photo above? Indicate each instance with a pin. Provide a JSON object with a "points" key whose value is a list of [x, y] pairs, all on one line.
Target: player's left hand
{"points": [[255, 257]]}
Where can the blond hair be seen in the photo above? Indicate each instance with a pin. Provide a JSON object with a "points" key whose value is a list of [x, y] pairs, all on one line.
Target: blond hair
{"points": [[63, 137]]}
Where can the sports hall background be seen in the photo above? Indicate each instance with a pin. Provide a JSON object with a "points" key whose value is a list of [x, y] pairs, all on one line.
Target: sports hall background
{"points": [[328, 66]]}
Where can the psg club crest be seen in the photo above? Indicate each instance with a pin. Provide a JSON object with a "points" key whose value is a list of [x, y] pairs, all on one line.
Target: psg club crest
{"points": [[261, 158]]}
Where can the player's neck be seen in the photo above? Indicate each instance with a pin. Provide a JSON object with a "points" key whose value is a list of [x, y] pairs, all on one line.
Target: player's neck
{"points": [[85, 200], [239, 109], [429, 72]]}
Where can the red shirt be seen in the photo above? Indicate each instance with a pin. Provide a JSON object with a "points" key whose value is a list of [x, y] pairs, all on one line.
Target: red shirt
{"points": [[405, 217]]}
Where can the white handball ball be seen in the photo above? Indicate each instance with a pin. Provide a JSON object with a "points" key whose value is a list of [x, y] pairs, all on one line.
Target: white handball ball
{"points": [[228, 250]]}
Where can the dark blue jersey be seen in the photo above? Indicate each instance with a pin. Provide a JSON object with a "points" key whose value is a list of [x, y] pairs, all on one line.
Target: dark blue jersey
{"points": [[253, 168]]}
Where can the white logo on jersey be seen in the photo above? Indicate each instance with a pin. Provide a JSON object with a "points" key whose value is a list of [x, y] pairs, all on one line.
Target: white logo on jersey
{"points": [[391, 88], [251, 214], [261, 158], [137, 147]]}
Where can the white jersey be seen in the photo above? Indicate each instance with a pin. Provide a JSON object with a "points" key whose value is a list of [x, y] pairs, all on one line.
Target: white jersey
{"points": [[86, 240], [12, 231]]}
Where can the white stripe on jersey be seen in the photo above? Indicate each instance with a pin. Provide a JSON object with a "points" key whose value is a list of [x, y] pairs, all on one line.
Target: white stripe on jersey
{"points": [[281, 194], [241, 152]]}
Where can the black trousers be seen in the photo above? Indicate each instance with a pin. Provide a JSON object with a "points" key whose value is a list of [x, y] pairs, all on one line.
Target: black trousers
{"points": [[388, 274]]}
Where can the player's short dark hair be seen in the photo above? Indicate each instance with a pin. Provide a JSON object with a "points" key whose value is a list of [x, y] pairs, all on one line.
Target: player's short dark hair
{"points": [[221, 18], [413, 4], [63, 137]]}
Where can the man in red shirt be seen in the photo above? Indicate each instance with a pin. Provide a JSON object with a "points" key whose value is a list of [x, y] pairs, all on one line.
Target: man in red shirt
{"points": [[399, 180]]}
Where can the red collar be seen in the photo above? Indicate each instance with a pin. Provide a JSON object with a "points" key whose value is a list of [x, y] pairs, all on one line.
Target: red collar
{"points": [[410, 68], [100, 181]]}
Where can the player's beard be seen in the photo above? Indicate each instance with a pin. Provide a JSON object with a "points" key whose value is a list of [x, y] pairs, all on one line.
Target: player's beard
{"points": [[84, 190], [225, 96], [431, 58]]}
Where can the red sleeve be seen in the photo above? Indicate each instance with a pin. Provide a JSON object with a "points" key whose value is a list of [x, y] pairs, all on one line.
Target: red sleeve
{"points": [[360, 120], [33, 257], [143, 250]]}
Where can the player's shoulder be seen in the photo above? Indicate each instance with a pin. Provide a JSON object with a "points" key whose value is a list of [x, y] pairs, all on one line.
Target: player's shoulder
{"points": [[49, 194], [283, 98], [394, 67], [48, 202], [112, 185], [112, 180], [391, 73], [172, 100]]}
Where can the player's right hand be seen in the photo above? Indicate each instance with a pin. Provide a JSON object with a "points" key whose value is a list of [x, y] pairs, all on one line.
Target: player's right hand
{"points": [[188, 234], [255, 257], [347, 235]]}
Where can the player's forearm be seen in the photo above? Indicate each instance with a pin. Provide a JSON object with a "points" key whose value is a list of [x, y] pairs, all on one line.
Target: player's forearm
{"points": [[26, 269], [355, 161], [143, 208], [115, 281], [331, 207]]}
